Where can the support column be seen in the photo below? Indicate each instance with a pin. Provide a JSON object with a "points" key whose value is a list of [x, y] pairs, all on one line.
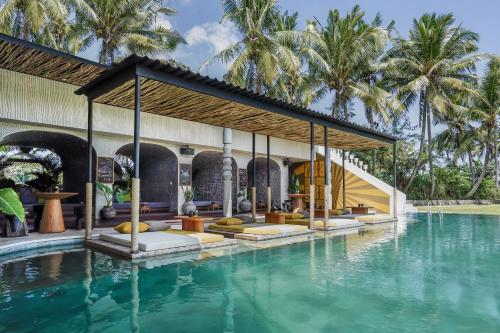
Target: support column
{"points": [[254, 189], [343, 179], [227, 173], [136, 182], [394, 182], [311, 175], [89, 186], [268, 166], [327, 170]]}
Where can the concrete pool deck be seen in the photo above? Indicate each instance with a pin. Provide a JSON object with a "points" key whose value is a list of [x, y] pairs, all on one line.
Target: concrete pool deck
{"points": [[47, 242]]}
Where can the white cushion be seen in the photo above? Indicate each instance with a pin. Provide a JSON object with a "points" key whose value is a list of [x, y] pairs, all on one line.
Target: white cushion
{"points": [[151, 241]]}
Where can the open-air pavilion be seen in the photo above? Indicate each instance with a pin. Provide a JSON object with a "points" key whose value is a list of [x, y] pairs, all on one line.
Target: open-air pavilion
{"points": [[150, 86]]}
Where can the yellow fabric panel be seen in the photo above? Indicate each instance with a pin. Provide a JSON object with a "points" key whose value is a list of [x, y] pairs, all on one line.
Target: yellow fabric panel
{"points": [[126, 227], [229, 221], [203, 237], [357, 191], [305, 222]]}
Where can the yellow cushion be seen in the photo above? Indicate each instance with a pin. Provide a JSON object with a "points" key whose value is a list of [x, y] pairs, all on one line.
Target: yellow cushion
{"points": [[245, 229], [232, 228], [203, 237], [294, 216], [374, 218], [229, 221], [335, 212], [304, 222], [126, 227]]}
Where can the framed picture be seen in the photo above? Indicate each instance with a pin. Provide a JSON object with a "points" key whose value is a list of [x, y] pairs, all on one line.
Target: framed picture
{"points": [[105, 169], [185, 174], [243, 177]]}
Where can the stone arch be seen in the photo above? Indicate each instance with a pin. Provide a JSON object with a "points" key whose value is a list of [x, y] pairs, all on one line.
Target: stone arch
{"points": [[158, 168], [207, 176], [261, 180], [71, 149]]}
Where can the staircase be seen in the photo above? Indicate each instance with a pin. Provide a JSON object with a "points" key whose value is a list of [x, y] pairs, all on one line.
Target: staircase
{"points": [[377, 190]]}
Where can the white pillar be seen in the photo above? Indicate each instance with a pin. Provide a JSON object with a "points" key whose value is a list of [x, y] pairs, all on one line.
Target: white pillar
{"points": [[227, 173]]}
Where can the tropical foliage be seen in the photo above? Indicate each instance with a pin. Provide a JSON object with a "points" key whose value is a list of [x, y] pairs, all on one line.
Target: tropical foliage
{"points": [[361, 64]]}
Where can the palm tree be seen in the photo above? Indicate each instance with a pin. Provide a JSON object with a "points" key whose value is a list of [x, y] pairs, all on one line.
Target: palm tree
{"points": [[486, 110], [460, 136], [42, 21], [432, 65], [341, 56], [127, 26], [257, 59]]}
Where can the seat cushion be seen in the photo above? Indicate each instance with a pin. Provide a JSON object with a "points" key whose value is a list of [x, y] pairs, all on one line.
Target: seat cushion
{"points": [[294, 216], [229, 221], [157, 225], [126, 227], [203, 237], [151, 241]]}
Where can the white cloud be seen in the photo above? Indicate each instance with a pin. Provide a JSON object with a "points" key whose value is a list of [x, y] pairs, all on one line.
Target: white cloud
{"points": [[217, 36], [162, 20]]}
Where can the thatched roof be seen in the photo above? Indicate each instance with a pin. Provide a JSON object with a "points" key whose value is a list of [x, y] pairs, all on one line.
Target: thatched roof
{"points": [[174, 92]]}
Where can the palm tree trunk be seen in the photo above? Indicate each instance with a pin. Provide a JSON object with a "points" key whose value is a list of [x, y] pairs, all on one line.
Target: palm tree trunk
{"points": [[346, 111], [423, 112], [369, 117], [429, 139], [471, 166], [336, 104], [483, 173]]}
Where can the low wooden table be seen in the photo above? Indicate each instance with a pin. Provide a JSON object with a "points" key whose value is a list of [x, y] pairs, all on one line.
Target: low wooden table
{"points": [[193, 223], [52, 217], [360, 209], [277, 217]]}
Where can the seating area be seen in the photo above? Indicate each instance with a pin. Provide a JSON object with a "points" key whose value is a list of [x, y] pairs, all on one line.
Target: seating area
{"points": [[148, 211]]}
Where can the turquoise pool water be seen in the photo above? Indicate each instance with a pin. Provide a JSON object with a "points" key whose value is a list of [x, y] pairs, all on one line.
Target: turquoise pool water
{"points": [[438, 276]]}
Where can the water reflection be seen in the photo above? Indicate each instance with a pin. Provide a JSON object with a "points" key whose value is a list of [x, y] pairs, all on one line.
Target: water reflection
{"points": [[351, 282]]}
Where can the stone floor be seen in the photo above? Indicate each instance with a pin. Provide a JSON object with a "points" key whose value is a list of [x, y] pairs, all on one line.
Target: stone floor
{"points": [[37, 240]]}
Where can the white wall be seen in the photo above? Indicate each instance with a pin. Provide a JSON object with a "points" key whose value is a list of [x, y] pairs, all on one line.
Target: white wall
{"points": [[32, 103]]}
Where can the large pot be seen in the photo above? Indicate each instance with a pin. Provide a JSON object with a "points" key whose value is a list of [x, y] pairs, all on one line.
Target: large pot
{"points": [[245, 205], [108, 213], [188, 207], [17, 227]]}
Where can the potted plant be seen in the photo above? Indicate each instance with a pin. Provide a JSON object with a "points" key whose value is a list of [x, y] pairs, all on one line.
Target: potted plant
{"points": [[12, 208], [293, 184], [107, 212], [188, 207], [245, 205]]}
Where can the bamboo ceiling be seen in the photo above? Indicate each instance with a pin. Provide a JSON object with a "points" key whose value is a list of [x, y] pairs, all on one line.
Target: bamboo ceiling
{"points": [[25, 57], [176, 102], [172, 100]]}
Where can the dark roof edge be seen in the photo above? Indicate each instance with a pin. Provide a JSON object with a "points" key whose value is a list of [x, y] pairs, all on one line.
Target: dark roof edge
{"points": [[51, 51]]}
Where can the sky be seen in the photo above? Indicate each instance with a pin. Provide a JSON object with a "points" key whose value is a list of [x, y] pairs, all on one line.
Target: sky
{"points": [[199, 22]]}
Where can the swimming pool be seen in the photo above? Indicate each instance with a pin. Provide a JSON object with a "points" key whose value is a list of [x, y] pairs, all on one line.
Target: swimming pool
{"points": [[441, 275]]}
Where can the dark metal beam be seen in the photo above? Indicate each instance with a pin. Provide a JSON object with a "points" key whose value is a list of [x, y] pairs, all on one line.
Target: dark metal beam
{"points": [[137, 125], [90, 105], [106, 83], [311, 169], [268, 161], [254, 165], [343, 179]]}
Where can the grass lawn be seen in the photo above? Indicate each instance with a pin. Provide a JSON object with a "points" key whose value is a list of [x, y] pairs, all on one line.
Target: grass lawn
{"points": [[465, 209]]}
